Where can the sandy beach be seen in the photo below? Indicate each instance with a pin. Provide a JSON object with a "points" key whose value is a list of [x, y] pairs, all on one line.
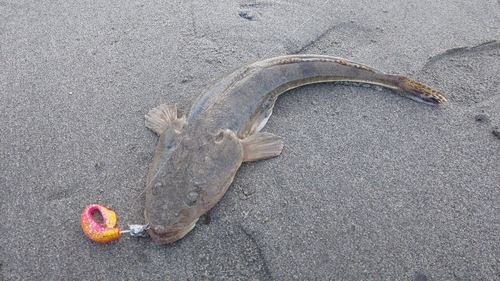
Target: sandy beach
{"points": [[369, 186]]}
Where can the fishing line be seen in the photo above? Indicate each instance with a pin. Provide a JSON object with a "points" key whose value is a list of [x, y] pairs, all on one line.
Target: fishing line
{"points": [[278, 44], [309, 17], [296, 29]]}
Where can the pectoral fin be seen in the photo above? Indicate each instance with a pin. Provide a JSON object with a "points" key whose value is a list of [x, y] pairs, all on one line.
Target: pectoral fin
{"points": [[261, 146], [159, 118]]}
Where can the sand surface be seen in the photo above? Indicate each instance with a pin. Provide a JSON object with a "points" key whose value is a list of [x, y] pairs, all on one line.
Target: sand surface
{"points": [[370, 185]]}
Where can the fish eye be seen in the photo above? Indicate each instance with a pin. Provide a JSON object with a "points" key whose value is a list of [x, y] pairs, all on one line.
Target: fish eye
{"points": [[157, 189], [192, 198], [219, 136]]}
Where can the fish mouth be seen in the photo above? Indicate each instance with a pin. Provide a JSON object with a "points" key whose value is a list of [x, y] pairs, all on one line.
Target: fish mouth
{"points": [[164, 235]]}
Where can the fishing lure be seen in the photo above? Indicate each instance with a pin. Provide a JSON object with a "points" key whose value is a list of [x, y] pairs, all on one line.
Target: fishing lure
{"points": [[106, 231]]}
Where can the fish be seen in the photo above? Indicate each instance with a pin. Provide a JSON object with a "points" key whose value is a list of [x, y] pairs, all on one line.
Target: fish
{"points": [[198, 154]]}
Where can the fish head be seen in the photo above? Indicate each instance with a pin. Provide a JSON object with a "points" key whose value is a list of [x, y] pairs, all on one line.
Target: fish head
{"points": [[190, 172]]}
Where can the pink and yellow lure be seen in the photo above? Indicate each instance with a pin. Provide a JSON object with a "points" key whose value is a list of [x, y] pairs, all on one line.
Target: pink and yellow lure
{"points": [[99, 232]]}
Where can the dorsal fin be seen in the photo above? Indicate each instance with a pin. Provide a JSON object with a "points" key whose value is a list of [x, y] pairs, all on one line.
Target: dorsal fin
{"points": [[161, 117]]}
